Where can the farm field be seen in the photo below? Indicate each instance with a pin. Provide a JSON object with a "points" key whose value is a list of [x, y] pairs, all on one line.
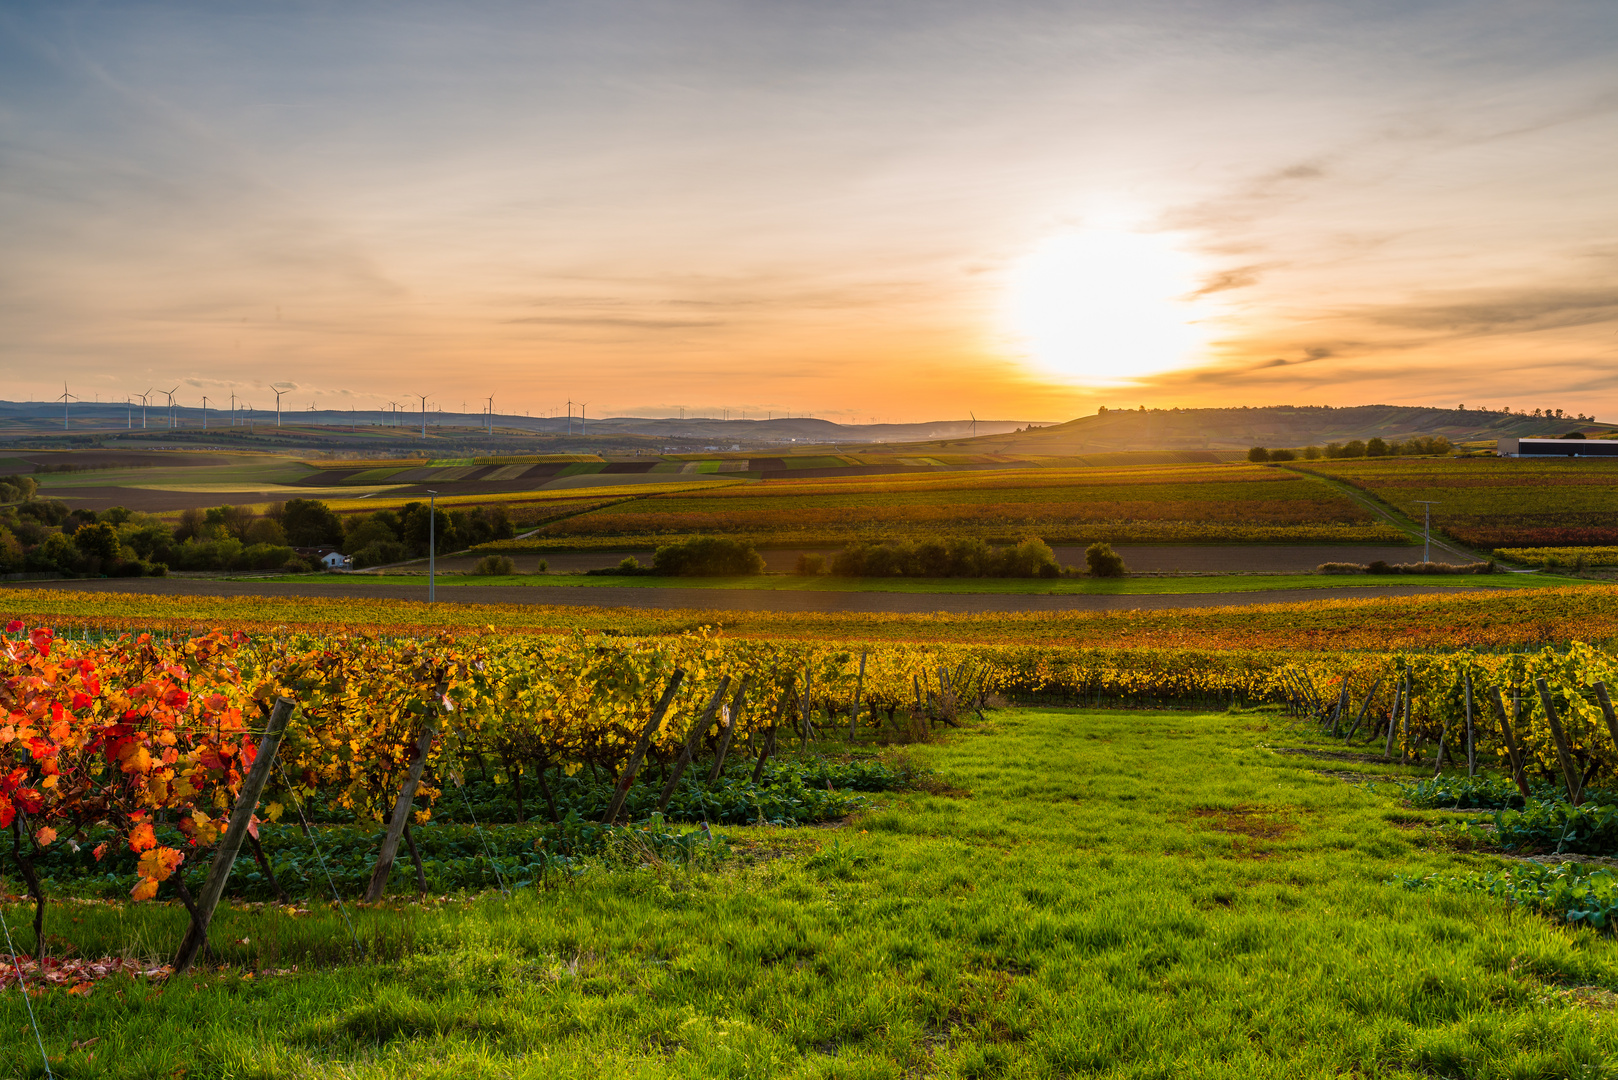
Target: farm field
{"points": [[1117, 894], [1496, 618], [1141, 559], [1079, 586], [1140, 504], [1490, 503]]}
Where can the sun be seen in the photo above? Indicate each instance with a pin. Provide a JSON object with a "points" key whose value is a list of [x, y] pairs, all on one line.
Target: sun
{"points": [[1103, 306]]}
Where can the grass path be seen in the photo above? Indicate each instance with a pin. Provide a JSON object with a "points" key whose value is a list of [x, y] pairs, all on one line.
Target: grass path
{"points": [[1101, 894]]}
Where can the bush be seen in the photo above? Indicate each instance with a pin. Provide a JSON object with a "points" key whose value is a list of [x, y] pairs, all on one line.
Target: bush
{"points": [[1381, 567], [955, 557], [380, 553], [495, 566], [1311, 453], [1341, 568], [811, 564], [1282, 455], [543, 566], [1258, 453], [1104, 562], [629, 565], [297, 565], [708, 556]]}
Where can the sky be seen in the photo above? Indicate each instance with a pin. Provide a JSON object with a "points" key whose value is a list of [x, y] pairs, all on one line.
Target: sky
{"points": [[878, 210]]}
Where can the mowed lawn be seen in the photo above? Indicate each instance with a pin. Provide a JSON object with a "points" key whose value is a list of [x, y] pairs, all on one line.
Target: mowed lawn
{"points": [[1123, 894]]}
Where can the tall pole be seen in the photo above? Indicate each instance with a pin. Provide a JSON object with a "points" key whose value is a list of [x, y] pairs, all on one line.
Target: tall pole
{"points": [[423, 398], [432, 542], [1427, 529], [204, 412]]}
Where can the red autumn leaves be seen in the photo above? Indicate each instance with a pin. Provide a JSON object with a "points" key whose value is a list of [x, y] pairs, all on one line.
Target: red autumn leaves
{"points": [[117, 735]]}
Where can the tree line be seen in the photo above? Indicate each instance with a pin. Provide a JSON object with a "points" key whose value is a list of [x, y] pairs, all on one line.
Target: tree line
{"points": [[44, 536], [1417, 446]]}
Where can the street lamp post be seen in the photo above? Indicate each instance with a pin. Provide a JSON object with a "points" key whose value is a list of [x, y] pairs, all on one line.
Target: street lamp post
{"points": [[432, 542]]}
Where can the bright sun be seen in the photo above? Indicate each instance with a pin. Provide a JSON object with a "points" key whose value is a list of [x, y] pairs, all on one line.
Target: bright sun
{"points": [[1106, 306]]}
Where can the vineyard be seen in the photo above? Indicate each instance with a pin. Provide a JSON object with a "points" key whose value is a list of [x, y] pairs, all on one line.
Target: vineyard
{"points": [[1140, 504], [617, 803], [1492, 503], [1506, 619]]}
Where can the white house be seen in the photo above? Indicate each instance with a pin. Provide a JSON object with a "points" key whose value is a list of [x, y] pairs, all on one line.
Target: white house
{"points": [[335, 560]]}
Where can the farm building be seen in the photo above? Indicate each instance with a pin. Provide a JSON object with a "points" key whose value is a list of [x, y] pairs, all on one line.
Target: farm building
{"points": [[1603, 448], [328, 557]]}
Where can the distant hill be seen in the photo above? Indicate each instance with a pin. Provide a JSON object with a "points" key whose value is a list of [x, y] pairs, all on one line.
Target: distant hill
{"points": [[34, 423], [1269, 426]]}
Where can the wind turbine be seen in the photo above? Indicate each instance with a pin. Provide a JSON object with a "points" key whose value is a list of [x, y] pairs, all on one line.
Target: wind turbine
{"points": [[393, 406], [204, 412], [278, 394], [570, 416], [129, 413], [491, 414], [233, 406], [170, 394], [582, 404], [423, 398], [974, 423], [143, 398], [64, 400]]}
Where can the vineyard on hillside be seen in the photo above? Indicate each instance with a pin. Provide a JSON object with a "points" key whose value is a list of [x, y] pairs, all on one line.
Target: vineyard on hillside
{"points": [[1142, 504], [1490, 502]]}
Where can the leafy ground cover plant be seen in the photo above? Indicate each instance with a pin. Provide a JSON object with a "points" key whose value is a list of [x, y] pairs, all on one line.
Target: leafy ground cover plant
{"points": [[1570, 891]]}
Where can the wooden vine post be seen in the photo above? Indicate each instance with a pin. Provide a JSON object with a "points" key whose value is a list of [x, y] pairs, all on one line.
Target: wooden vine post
{"points": [[1364, 709], [1607, 710], [632, 766], [1512, 750], [694, 736], [196, 935], [1570, 771], [401, 814], [859, 687], [737, 704], [1471, 741], [1393, 719]]}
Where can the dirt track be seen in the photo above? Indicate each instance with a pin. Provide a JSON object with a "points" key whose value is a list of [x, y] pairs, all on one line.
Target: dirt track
{"points": [[721, 599]]}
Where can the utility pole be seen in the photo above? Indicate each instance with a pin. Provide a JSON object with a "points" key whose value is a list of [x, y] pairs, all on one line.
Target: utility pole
{"points": [[1427, 530], [432, 541]]}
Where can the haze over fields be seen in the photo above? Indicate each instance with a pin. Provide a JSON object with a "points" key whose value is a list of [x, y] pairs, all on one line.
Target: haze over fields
{"points": [[892, 212]]}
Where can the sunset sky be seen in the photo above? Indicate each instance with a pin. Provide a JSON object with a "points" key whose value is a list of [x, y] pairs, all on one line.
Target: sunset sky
{"points": [[889, 210]]}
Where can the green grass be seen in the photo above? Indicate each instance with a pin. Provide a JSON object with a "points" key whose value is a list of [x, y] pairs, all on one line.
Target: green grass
{"points": [[1100, 894], [1084, 586]]}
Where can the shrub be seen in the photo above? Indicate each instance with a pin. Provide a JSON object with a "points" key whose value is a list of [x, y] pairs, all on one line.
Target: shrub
{"points": [[379, 553], [629, 565], [297, 565], [495, 566], [544, 565], [1258, 453], [1340, 568], [1104, 562], [955, 557], [811, 564], [1282, 455], [708, 556], [1376, 448], [1311, 453]]}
